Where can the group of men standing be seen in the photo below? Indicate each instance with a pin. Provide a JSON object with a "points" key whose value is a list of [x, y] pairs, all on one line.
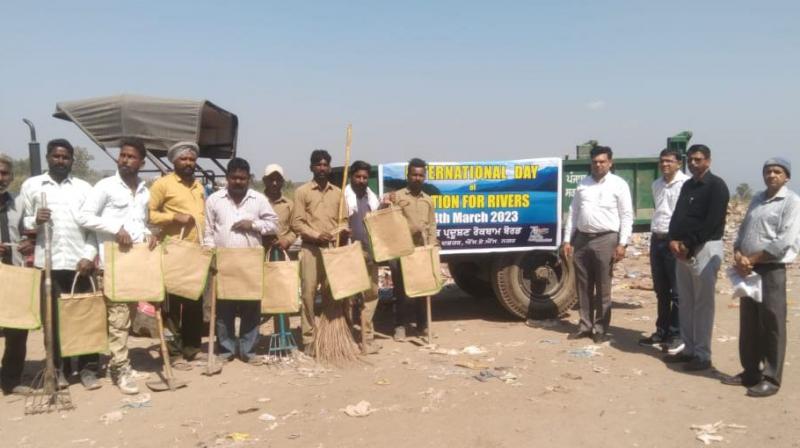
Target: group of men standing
{"points": [[122, 209], [686, 253]]}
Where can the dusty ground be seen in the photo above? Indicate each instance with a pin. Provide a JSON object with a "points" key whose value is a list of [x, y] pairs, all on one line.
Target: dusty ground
{"points": [[553, 393]]}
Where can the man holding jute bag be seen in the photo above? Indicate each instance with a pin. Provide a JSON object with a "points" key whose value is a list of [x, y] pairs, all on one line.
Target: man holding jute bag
{"points": [[315, 219], [116, 210], [177, 205], [236, 218], [418, 209]]}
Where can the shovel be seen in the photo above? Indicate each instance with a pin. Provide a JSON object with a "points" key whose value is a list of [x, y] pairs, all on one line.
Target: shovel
{"points": [[166, 380], [212, 368]]}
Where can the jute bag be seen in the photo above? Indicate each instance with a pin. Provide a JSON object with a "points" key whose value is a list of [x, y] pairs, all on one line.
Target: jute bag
{"points": [[389, 234], [281, 287], [185, 265], [82, 322], [133, 275], [422, 272], [20, 299], [240, 273], [346, 270]]}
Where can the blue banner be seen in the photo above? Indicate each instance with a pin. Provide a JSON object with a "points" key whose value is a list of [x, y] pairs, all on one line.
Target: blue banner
{"points": [[490, 206]]}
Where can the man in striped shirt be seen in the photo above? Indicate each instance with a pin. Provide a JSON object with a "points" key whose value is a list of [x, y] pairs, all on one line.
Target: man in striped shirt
{"points": [[237, 217], [73, 249]]}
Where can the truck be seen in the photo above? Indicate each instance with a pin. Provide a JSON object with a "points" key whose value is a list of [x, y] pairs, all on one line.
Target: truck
{"points": [[500, 223]]}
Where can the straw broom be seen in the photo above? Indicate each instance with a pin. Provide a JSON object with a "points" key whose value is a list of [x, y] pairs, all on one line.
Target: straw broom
{"points": [[334, 343]]}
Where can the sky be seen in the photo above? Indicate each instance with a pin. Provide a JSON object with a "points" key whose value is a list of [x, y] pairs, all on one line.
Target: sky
{"points": [[440, 80]]}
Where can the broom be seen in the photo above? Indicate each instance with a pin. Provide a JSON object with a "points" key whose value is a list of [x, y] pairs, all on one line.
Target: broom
{"points": [[334, 343]]}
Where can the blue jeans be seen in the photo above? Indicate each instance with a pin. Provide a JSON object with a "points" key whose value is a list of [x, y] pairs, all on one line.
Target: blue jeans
{"points": [[662, 267], [249, 312]]}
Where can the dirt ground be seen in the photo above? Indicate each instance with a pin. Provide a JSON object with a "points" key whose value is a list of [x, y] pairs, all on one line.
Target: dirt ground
{"points": [[540, 390]]}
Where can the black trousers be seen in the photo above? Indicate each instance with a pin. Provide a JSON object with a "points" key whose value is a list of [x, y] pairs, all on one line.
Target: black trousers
{"points": [[401, 301], [762, 327], [13, 358], [62, 283], [184, 319]]}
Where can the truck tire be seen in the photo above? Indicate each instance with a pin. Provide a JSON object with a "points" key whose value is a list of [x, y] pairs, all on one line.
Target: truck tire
{"points": [[473, 278], [535, 284]]}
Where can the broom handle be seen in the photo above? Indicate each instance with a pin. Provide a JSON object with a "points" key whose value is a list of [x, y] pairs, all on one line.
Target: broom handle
{"points": [[50, 369], [348, 142], [212, 333], [164, 351]]}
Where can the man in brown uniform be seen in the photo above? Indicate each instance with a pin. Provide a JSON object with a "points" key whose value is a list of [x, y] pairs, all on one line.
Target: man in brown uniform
{"points": [[315, 218], [273, 186], [419, 212]]}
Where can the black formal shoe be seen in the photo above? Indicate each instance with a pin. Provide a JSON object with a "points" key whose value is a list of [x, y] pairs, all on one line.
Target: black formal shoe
{"points": [[763, 389], [680, 357], [579, 335], [697, 365], [737, 380], [599, 338]]}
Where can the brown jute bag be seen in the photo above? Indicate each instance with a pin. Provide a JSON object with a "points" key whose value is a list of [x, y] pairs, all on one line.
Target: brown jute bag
{"points": [[185, 265], [389, 234], [422, 272], [346, 270], [82, 322], [240, 273], [133, 275], [20, 299], [281, 287]]}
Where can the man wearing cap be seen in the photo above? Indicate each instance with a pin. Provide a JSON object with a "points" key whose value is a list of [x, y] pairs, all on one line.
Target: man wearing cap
{"points": [[315, 218], [767, 240], [177, 207], [273, 188], [695, 234]]}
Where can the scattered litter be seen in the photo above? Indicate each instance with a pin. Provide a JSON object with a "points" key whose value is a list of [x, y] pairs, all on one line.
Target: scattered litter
{"points": [[641, 318], [474, 365], [246, 411], [360, 409], [443, 351], [265, 417], [111, 417], [557, 388], [290, 414], [271, 426], [637, 372], [709, 433], [383, 382], [485, 375], [548, 341], [499, 373], [238, 436], [544, 323], [473, 350], [598, 369], [264, 400], [571, 376], [514, 344], [726, 338], [589, 351]]}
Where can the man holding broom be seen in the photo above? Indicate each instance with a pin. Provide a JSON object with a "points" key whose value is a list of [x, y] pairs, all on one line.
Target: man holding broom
{"points": [[419, 211], [116, 210], [237, 217], [316, 219], [177, 207]]}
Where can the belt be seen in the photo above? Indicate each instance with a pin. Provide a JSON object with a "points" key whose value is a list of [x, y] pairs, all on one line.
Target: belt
{"points": [[660, 236], [595, 235]]}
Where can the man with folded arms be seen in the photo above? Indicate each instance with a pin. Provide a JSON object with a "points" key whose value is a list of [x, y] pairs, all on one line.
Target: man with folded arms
{"points": [[116, 210], [767, 240], [237, 217], [177, 206]]}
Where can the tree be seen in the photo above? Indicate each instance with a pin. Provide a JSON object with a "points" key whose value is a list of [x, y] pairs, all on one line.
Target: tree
{"points": [[744, 192]]}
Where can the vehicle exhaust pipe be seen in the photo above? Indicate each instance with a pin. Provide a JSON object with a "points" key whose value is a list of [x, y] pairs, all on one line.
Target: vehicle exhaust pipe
{"points": [[34, 153]]}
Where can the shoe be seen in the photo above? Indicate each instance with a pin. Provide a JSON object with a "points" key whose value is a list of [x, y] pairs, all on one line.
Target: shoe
{"points": [[763, 389], [255, 360], [422, 332], [654, 340], [697, 365], [224, 359], [126, 381], [18, 390], [180, 364], [737, 380], [599, 338], [89, 379], [579, 335], [673, 346], [62, 380], [680, 357], [199, 357], [399, 333]]}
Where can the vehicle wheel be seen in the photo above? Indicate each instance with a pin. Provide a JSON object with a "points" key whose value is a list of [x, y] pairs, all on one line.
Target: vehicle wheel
{"points": [[536, 284], [473, 278]]}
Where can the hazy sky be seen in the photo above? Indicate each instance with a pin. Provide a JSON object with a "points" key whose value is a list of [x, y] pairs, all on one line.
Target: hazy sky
{"points": [[442, 80]]}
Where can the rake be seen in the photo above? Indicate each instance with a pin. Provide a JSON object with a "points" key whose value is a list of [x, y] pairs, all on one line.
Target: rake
{"points": [[281, 343]]}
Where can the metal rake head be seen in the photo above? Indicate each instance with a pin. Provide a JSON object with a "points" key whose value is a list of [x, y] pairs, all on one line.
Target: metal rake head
{"points": [[46, 397]]}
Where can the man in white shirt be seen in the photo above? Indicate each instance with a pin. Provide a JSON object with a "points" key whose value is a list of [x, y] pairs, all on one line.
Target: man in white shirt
{"points": [[666, 190], [360, 201], [238, 217], [599, 225], [72, 248], [116, 210]]}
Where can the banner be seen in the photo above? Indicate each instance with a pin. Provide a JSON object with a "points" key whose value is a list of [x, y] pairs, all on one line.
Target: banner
{"points": [[490, 206]]}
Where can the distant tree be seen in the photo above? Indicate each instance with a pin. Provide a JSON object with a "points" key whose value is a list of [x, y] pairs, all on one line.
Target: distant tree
{"points": [[744, 192]]}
